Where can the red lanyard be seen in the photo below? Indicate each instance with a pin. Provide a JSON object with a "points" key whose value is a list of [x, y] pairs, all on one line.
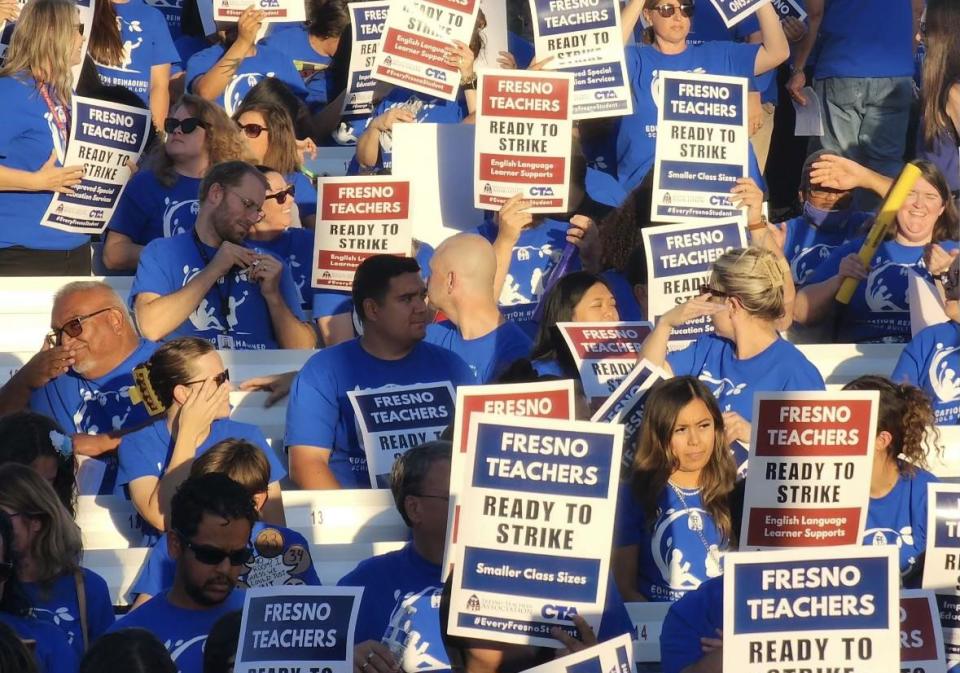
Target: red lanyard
{"points": [[61, 116]]}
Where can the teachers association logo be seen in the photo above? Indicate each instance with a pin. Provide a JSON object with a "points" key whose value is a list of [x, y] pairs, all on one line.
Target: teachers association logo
{"points": [[473, 603]]}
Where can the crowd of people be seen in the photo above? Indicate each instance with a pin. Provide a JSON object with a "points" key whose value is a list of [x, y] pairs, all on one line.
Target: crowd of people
{"points": [[129, 396]]}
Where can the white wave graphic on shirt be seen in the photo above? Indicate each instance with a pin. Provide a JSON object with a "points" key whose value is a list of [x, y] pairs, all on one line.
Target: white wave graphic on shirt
{"points": [[944, 377], [805, 262], [205, 317], [671, 535], [173, 211], [885, 290], [239, 87]]}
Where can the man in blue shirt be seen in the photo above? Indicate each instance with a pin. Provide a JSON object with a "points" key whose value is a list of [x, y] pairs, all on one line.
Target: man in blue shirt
{"points": [[462, 271], [389, 298], [212, 517], [209, 283]]}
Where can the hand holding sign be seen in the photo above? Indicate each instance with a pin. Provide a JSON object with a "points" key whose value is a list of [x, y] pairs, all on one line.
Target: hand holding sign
{"points": [[248, 25], [53, 178]]}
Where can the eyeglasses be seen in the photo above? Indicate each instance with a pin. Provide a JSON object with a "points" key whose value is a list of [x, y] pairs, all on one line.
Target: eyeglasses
{"points": [[248, 205], [219, 379], [213, 556], [73, 327], [252, 130], [713, 292], [187, 126], [666, 11], [281, 196]]}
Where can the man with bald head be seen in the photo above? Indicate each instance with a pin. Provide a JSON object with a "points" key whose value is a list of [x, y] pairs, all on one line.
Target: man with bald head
{"points": [[462, 274], [83, 375]]}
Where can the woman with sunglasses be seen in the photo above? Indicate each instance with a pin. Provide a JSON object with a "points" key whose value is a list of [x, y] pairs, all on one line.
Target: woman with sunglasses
{"points": [[185, 387], [161, 201], [745, 298], [669, 22], [48, 548], [268, 130], [51, 651], [36, 86]]}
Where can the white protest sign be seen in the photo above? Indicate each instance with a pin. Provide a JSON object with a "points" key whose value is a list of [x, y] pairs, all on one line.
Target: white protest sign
{"points": [[229, 11], [734, 11], [495, 35], [611, 656], [540, 497], [357, 218], [585, 39], [926, 308], [941, 568], [809, 483], [702, 146], [540, 399], [523, 139], [417, 38], [367, 20], [107, 138], [394, 419], [298, 628], [823, 608], [604, 352], [789, 9], [679, 260], [921, 638]]}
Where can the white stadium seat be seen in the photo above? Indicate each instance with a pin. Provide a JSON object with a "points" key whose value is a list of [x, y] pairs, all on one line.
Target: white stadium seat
{"points": [[647, 621], [336, 517]]}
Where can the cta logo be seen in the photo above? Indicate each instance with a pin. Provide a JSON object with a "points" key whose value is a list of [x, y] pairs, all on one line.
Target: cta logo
{"points": [[720, 201], [604, 95], [437, 74], [558, 612], [541, 191], [96, 214]]}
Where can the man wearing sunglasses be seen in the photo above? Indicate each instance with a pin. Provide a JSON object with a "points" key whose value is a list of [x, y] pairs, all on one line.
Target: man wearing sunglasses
{"points": [[209, 283], [212, 517]]}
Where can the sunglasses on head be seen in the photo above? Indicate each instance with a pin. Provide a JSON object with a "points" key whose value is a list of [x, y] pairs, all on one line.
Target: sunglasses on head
{"points": [[666, 11], [213, 556], [281, 196], [219, 379], [188, 125], [252, 130], [73, 327]]}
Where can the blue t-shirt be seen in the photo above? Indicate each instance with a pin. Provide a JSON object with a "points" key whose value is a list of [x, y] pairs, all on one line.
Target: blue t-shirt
{"points": [[146, 43], [149, 210], [57, 604], [487, 356], [294, 43], [280, 557], [267, 62], [233, 314], [295, 248], [697, 615], [183, 632], [865, 38], [306, 193], [931, 361], [683, 549], [52, 651], [28, 135], [807, 246], [171, 10], [627, 306], [320, 414], [880, 307], [900, 518]]}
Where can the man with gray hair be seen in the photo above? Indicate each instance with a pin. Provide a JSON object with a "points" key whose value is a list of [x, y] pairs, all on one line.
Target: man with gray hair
{"points": [[83, 375]]}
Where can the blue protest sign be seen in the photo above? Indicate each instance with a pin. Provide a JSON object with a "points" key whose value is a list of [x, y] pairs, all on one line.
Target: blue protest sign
{"points": [[367, 25], [734, 11], [789, 9]]}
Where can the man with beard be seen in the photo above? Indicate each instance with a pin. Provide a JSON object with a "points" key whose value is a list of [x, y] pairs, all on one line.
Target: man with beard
{"points": [[212, 517], [208, 283]]}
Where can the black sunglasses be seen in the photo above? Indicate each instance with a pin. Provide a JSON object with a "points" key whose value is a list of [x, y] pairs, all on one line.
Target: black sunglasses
{"points": [[73, 327], [666, 11], [188, 125], [219, 379], [213, 556], [281, 196], [252, 130]]}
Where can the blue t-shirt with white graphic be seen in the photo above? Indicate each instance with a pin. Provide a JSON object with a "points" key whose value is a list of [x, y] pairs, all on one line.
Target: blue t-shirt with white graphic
{"points": [[295, 248], [487, 356], [314, 68], [233, 314], [280, 557], [900, 518], [267, 62], [683, 549], [183, 632], [698, 614], [931, 361], [320, 414], [28, 135], [849, 45], [57, 604], [148, 210], [806, 246], [146, 43], [52, 652], [880, 307]]}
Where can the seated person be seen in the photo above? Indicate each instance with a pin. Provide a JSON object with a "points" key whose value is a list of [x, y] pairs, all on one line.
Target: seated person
{"points": [[35, 440]]}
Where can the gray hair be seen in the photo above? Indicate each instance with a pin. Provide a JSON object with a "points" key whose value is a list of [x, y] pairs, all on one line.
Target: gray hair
{"points": [[78, 286], [410, 469]]}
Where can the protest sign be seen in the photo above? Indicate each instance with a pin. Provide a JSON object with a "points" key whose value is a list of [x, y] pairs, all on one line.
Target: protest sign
{"points": [[417, 37], [393, 419], [626, 404], [679, 259], [367, 20], [812, 610], [106, 138], [523, 139], [495, 35], [789, 9], [941, 568], [298, 628], [273, 10], [611, 656], [702, 146], [584, 38], [358, 217], [921, 638], [734, 11], [810, 472], [604, 353], [540, 499]]}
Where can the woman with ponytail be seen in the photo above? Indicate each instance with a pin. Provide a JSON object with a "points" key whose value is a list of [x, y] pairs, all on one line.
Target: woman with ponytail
{"points": [[186, 389], [898, 488]]}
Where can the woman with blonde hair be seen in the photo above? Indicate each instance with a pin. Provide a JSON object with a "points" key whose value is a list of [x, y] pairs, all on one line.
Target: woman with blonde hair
{"points": [[35, 87], [746, 298], [673, 515], [48, 548], [163, 201]]}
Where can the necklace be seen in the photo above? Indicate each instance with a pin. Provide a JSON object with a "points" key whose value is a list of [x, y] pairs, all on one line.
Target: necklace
{"points": [[695, 523]]}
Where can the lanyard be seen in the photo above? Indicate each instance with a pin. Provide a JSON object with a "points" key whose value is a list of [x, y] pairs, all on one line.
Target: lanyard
{"points": [[224, 285], [61, 116]]}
